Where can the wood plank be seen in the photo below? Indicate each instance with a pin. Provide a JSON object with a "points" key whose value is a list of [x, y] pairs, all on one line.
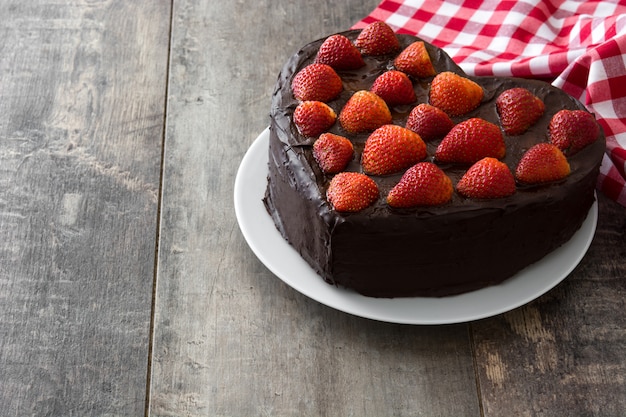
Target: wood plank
{"points": [[82, 96], [231, 338], [563, 354]]}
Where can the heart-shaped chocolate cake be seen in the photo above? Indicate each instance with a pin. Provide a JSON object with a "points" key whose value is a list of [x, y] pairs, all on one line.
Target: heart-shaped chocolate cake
{"points": [[395, 174]]}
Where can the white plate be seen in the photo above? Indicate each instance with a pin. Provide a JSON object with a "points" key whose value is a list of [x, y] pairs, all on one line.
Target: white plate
{"points": [[280, 258]]}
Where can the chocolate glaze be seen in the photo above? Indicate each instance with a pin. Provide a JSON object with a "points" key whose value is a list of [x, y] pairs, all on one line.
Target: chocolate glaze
{"points": [[436, 251]]}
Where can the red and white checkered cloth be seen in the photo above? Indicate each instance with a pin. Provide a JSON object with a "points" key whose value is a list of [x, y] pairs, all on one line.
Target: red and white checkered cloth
{"points": [[579, 46]]}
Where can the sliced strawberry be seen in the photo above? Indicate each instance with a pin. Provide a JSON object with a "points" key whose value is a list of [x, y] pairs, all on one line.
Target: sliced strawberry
{"points": [[470, 141], [415, 61], [429, 122], [332, 152], [394, 87], [424, 184], [391, 148], [351, 191], [377, 39], [317, 82], [313, 117], [454, 94], [519, 109], [572, 130], [486, 179], [364, 112], [542, 163], [340, 53]]}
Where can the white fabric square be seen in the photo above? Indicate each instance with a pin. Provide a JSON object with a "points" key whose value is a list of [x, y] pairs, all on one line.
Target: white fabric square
{"points": [[417, 4], [606, 109], [499, 43], [481, 16], [397, 20], [539, 64], [502, 69], [620, 138], [430, 31], [448, 9], [597, 71]]}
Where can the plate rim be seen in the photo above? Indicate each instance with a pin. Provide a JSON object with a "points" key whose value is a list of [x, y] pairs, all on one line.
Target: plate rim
{"points": [[394, 310]]}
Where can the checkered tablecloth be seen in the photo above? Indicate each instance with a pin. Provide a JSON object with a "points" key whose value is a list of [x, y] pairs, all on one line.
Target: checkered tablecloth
{"points": [[578, 46]]}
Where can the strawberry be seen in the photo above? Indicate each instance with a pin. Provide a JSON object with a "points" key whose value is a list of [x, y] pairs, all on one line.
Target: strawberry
{"points": [[518, 109], [487, 178], [341, 54], [470, 141], [394, 87], [415, 61], [454, 94], [351, 191], [572, 130], [391, 148], [332, 152], [364, 112], [318, 82], [377, 39], [429, 122], [542, 163], [424, 184], [313, 117]]}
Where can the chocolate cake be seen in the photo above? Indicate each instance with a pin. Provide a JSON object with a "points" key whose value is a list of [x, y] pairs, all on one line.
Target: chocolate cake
{"points": [[460, 246]]}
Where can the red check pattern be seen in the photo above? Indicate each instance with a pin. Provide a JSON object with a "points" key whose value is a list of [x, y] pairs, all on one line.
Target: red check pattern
{"points": [[579, 46]]}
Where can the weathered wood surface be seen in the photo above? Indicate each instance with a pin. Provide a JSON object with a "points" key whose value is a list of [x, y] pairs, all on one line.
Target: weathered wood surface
{"points": [[86, 113], [565, 353], [82, 97]]}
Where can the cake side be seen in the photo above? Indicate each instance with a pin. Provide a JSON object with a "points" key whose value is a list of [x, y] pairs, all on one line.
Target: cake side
{"points": [[435, 251]]}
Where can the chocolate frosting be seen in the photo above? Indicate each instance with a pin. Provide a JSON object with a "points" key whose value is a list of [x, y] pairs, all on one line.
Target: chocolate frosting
{"points": [[425, 251]]}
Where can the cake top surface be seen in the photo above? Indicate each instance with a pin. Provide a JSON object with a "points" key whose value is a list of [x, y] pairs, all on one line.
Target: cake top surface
{"points": [[364, 77]]}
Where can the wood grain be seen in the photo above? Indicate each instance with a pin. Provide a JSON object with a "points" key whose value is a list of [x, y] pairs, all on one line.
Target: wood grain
{"points": [[89, 117], [231, 338], [82, 87], [564, 353]]}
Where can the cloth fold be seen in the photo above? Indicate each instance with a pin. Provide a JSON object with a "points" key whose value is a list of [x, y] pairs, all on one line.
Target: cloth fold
{"points": [[578, 46]]}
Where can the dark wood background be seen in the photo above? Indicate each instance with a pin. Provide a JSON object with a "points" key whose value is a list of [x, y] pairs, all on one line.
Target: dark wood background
{"points": [[127, 288]]}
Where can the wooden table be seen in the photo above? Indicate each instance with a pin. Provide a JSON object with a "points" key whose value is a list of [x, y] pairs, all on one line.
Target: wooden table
{"points": [[127, 288]]}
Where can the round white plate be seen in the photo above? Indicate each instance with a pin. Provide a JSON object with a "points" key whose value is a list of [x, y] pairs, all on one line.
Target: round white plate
{"points": [[280, 258]]}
